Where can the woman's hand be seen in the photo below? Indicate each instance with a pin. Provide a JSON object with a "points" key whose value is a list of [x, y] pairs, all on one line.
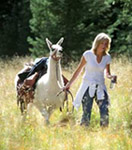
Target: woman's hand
{"points": [[109, 76], [114, 78], [67, 87]]}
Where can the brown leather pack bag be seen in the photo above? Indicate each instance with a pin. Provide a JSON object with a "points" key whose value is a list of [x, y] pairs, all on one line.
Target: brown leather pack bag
{"points": [[30, 81]]}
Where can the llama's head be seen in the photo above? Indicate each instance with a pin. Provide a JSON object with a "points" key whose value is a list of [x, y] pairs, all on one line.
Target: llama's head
{"points": [[56, 50]]}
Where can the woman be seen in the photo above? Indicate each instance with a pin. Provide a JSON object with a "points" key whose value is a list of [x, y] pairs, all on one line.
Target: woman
{"points": [[93, 86]]}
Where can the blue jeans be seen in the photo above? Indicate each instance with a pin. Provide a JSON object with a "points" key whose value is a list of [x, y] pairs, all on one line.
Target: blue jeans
{"points": [[87, 103]]}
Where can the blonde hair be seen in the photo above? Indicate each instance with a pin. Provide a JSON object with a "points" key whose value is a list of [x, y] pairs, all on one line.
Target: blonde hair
{"points": [[100, 38]]}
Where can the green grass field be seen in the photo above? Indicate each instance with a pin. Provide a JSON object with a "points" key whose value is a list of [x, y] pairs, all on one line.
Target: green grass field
{"points": [[64, 131]]}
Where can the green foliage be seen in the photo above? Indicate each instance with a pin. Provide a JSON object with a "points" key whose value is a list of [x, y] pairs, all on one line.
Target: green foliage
{"points": [[40, 26], [79, 22], [121, 29]]}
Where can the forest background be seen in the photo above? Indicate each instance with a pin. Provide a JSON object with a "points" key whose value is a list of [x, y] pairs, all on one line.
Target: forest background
{"points": [[25, 24]]}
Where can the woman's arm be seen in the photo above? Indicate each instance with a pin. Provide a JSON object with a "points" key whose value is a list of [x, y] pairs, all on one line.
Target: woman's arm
{"points": [[76, 73], [108, 73]]}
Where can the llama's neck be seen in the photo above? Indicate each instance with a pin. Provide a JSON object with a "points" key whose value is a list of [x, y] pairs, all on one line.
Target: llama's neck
{"points": [[54, 70]]}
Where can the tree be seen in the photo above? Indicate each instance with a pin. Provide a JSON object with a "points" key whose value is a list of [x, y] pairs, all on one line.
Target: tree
{"points": [[78, 21], [75, 20], [42, 24], [121, 29], [14, 18]]}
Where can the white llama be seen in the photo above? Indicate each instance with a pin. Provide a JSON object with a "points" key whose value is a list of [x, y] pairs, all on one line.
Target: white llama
{"points": [[46, 97], [49, 85]]}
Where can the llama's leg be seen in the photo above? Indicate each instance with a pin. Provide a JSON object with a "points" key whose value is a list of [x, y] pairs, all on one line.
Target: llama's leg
{"points": [[22, 108], [26, 110], [24, 116], [44, 112], [50, 110], [29, 108]]}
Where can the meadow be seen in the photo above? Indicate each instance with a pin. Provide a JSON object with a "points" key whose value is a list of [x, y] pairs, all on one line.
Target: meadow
{"points": [[64, 131]]}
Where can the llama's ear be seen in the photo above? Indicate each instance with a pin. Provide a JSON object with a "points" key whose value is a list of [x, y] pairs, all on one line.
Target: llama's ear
{"points": [[60, 41], [49, 43]]}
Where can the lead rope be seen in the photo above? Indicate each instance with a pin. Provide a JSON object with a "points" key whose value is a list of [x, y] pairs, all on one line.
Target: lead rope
{"points": [[66, 98], [66, 92]]}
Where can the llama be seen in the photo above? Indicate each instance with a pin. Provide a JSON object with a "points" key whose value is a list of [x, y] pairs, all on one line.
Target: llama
{"points": [[48, 95], [47, 88]]}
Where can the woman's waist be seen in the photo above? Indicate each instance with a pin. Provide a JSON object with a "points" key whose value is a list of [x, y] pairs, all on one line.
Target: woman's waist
{"points": [[91, 81]]}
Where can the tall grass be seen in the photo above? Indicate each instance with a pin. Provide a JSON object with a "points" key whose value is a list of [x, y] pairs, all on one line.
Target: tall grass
{"points": [[64, 131]]}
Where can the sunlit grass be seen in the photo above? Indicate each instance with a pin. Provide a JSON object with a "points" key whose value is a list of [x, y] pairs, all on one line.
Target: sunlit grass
{"points": [[64, 131]]}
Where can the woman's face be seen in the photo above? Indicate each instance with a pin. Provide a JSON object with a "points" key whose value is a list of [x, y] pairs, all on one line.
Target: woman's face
{"points": [[102, 46]]}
